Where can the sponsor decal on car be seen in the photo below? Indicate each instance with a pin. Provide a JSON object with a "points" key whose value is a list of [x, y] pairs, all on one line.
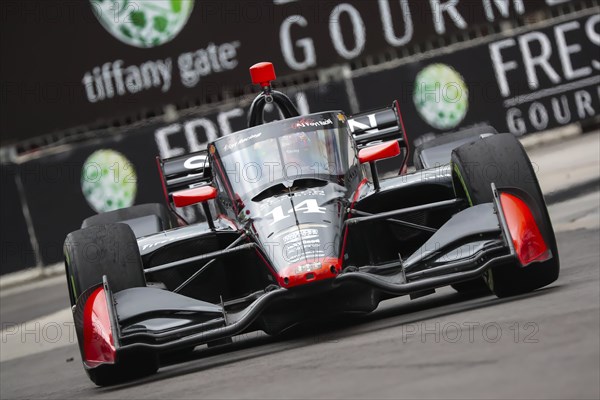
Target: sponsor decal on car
{"points": [[309, 123], [234, 144], [302, 234]]}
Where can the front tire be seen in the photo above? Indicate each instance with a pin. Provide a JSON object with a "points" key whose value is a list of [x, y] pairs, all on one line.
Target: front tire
{"points": [[502, 160], [478, 286], [108, 250]]}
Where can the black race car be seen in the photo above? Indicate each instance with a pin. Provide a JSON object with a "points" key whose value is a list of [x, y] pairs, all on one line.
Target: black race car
{"points": [[300, 225]]}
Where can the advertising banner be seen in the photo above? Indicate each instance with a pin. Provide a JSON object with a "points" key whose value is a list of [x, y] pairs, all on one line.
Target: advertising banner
{"points": [[539, 78], [68, 63], [535, 80]]}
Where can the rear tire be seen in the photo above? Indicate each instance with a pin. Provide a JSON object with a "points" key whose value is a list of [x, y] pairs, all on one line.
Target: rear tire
{"points": [[473, 132], [166, 218], [501, 159], [109, 250], [99, 250]]}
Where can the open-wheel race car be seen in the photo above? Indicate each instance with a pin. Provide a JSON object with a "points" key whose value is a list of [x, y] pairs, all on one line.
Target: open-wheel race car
{"points": [[300, 225]]}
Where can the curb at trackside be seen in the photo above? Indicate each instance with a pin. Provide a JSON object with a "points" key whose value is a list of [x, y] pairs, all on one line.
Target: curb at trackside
{"points": [[32, 276], [550, 137]]}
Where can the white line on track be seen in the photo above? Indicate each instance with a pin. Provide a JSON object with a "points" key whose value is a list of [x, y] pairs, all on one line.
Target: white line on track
{"points": [[37, 336]]}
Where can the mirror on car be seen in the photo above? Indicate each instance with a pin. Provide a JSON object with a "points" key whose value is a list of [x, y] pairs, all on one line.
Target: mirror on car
{"points": [[379, 152], [195, 195]]}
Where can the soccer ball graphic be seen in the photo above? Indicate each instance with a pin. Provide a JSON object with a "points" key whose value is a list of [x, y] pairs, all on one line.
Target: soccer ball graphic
{"points": [[143, 23], [441, 96], [108, 181]]}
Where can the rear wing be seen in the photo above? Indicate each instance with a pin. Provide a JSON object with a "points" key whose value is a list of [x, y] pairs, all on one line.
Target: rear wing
{"points": [[183, 172], [381, 125]]}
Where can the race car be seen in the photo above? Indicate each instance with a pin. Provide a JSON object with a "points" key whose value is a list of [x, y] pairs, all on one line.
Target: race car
{"points": [[300, 225]]}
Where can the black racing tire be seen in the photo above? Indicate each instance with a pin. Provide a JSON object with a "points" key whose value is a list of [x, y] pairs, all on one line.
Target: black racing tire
{"points": [[130, 366], [167, 219], [477, 286], [501, 159], [446, 138], [110, 250]]}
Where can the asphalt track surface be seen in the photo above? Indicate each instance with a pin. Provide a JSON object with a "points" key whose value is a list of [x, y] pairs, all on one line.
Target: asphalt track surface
{"points": [[541, 345]]}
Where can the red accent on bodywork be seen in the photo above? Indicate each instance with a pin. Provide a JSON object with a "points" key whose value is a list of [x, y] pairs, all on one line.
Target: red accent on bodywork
{"points": [[291, 277], [527, 239], [98, 343], [196, 195], [262, 73], [379, 152]]}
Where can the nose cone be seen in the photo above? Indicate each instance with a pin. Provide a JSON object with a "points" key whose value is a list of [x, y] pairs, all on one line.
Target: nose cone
{"points": [[302, 235], [311, 270], [310, 251]]}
